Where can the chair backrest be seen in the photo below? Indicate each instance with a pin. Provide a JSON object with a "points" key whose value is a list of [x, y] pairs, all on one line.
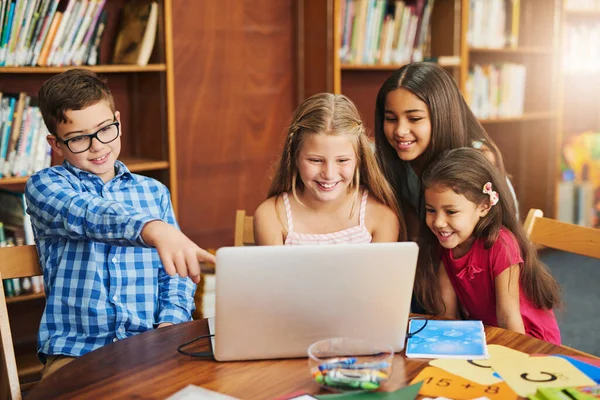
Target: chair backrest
{"points": [[244, 229], [15, 262], [561, 235]]}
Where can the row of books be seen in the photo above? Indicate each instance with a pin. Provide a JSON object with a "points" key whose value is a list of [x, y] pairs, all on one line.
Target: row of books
{"points": [[577, 201], [582, 48], [579, 188], [496, 90], [51, 32], [589, 5], [378, 32], [23, 146], [493, 23]]}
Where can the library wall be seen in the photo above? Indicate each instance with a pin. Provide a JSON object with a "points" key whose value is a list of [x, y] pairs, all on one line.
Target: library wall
{"points": [[234, 95]]}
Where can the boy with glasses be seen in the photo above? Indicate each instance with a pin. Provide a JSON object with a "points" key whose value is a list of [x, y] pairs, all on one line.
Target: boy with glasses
{"points": [[107, 239]]}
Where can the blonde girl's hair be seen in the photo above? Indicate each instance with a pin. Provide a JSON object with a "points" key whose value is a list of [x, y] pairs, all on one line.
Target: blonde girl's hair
{"points": [[466, 171], [332, 114]]}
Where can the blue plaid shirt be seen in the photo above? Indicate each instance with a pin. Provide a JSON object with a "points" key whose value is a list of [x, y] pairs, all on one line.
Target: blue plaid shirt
{"points": [[103, 283]]}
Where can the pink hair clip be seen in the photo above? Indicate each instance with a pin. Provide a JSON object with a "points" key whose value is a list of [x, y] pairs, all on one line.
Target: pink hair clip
{"points": [[487, 189]]}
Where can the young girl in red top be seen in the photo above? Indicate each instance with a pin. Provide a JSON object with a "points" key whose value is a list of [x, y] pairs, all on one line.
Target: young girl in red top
{"points": [[489, 269]]}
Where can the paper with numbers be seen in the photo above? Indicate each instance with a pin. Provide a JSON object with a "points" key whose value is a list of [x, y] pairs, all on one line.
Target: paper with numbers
{"points": [[438, 382]]}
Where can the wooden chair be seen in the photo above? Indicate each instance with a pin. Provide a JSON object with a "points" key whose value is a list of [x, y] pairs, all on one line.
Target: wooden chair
{"points": [[15, 262], [205, 268], [244, 229], [561, 235]]}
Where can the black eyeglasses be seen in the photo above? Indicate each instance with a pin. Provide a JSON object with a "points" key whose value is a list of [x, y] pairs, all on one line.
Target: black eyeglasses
{"points": [[82, 143]]}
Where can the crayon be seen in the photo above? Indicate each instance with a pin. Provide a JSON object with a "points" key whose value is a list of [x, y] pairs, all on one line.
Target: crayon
{"points": [[340, 381], [336, 363], [365, 375], [374, 365]]}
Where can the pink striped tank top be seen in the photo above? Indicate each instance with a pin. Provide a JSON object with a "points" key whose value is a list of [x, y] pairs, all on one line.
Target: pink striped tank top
{"points": [[356, 234]]}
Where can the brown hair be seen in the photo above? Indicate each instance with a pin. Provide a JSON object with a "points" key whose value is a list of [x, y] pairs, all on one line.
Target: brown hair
{"points": [[74, 89], [332, 114], [453, 124], [466, 171]]}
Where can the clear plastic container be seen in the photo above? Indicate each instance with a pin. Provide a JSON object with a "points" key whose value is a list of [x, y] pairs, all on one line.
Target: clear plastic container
{"points": [[347, 364]]}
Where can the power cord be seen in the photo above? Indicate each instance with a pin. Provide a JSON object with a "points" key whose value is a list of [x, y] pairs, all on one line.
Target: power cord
{"points": [[411, 334], [197, 354]]}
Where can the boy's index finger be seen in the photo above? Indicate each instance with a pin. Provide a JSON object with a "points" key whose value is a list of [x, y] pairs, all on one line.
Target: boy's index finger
{"points": [[205, 256]]}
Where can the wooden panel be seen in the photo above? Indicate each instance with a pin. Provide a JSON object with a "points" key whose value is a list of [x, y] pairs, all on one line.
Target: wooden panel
{"points": [[362, 88], [315, 47], [527, 149], [149, 116], [445, 28], [234, 93]]}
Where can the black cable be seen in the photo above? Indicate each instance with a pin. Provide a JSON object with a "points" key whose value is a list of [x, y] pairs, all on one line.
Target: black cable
{"points": [[199, 354], [411, 334]]}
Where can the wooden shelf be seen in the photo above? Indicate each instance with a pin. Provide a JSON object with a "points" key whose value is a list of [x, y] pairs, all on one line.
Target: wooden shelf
{"points": [[96, 68], [144, 164], [388, 67], [13, 180], [582, 13], [134, 164], [516, 50], [522, 118], [25, 297]]}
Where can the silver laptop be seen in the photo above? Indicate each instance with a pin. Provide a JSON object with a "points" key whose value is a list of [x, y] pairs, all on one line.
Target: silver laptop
{"points": [[275, 301]]}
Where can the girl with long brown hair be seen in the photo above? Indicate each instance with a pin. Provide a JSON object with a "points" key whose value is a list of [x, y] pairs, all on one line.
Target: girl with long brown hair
{"points": [[477, 251], [419, 113]]}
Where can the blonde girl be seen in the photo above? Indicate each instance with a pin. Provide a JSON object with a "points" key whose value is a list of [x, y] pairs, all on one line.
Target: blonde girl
{"points": [[328, 188]]}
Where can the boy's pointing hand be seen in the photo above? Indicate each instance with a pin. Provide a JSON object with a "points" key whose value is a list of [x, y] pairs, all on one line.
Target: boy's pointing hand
{"points": [[177, 252]]}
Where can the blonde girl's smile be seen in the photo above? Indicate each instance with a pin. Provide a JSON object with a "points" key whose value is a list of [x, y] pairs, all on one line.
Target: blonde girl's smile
{"points": [[326, 165], [327, 186]]}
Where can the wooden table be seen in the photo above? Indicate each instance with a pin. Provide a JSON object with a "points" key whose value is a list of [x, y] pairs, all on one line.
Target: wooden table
{"points": [[148, 366]]}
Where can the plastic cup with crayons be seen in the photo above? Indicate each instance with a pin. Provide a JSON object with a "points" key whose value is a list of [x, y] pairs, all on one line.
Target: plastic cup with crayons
{"points": [[346, 364]]}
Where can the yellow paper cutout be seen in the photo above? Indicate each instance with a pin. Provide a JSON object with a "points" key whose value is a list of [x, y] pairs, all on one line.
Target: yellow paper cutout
{"points": [[478, 371], [499, 351], [438, 382], [525, 375]]}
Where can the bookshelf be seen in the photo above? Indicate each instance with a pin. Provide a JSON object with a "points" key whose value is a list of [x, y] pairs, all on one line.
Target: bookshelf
{"points": [[528, 140], [579, 81], [144, 95]]}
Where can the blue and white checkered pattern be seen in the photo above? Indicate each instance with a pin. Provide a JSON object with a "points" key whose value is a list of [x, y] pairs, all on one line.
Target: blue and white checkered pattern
{"points": [[102, 281]]}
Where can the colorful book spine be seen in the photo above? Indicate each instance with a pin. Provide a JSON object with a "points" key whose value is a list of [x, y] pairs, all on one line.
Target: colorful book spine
{"points": [[6, 33], [41, 37]]}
